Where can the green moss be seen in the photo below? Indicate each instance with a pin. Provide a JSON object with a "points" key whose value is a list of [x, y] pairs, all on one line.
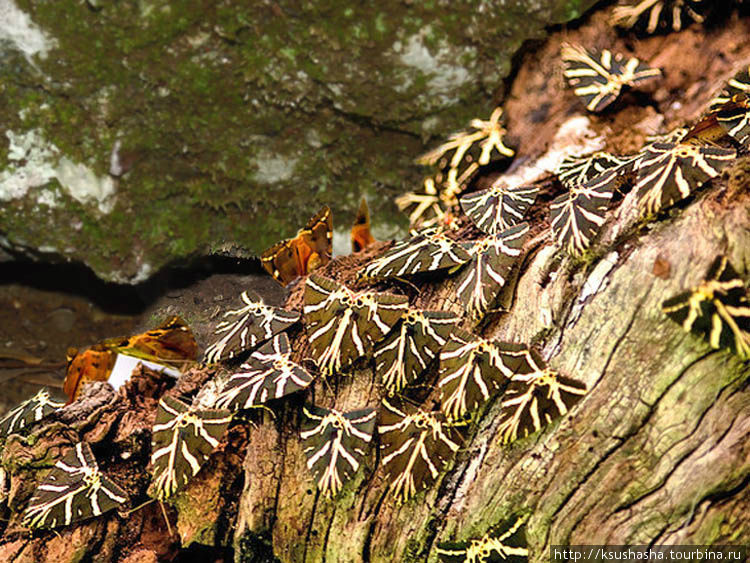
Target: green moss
{"points": [[196, 92]]}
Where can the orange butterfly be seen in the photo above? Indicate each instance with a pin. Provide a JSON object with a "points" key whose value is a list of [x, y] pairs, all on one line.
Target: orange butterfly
{"points": [[361, 235], [309, 250], [170, 344]]}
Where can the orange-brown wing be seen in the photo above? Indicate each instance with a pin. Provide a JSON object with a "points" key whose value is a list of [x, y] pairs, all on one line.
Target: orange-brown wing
{"points": [[170, 342], [318, 236], [282, 261], [360, 234], [94, 364]]}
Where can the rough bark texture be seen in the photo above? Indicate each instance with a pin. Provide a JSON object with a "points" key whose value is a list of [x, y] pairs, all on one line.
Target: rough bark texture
{"points": [[656, 452]]}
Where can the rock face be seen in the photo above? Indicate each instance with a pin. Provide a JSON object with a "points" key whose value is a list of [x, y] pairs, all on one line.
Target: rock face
{"points": [[138, 134]]}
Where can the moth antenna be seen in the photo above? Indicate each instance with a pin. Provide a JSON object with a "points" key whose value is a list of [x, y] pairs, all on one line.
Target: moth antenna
{"points": [[166, 520], [137, 508]]}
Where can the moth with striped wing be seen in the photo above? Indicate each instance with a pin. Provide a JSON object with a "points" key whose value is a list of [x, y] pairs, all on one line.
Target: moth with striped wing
{"points": [[409, 349], [485, 275], [268, 374], [738, 84], [342, 325], [472, 369], [247, 327], [427, 251], [309, 250], [504, 544], [181, 442], [498, 208], [28, 412], [73, 490], [461, 157], [670, 172], [718, 309], [535, 396], [574, 170], [415, 447], [651, 15], [598, 77], [334, 444], [577, 216], [734, 118], [427, 207]]}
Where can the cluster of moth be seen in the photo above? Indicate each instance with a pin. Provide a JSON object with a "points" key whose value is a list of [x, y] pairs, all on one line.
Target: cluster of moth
{"points": [[406, 345]]}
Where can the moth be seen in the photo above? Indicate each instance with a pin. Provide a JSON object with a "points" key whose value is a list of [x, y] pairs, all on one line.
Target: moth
{"points": [[409, 349], [574, 171], [577, 216], [73, 490], [334, 444], [171, 344], [182, 439], [505, 544], [738, 84], [598, 77], [343, 325], [717, 309], [498, 208], [535, 396], [28, 412], [415, 447], [247, 327], [472, 369], [428, 250], [734, 118], [651, 15], [309, 250], [462, 156], [670, 172], [268, 374], [485, 275], [425, 208], [360, 235]]}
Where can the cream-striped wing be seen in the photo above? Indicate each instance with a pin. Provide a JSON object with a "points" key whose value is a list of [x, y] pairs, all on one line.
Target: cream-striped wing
{"points": [[409, 349], [577, 216], [247, 327], [574, 171], [28, 412], [499, 207], [427, 251], [597, 77], [718, 309], [334, 444], [485, 275], [505, 543], [268, 374], [181, 442], [738, 84], [415, 446], [73, 490], [670, 172], [652, 15], [463, 155], [535, 397], [343, 325], [472, 370]]}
